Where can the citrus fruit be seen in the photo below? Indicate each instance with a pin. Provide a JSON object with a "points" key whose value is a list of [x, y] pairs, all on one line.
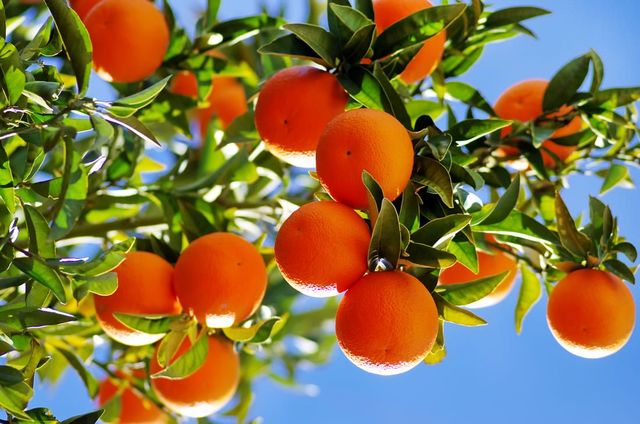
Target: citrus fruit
{"points": [[134, 408], [387, 322], [359, 140], [83, 7], [292, 110], [144, 288], [321, 249], [220, 279]]}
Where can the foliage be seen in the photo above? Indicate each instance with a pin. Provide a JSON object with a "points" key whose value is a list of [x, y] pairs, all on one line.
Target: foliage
{"points": [[78, 187]]}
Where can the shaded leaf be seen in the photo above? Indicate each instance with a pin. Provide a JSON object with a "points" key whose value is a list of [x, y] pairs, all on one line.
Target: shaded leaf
{"points": [[530, 293]]}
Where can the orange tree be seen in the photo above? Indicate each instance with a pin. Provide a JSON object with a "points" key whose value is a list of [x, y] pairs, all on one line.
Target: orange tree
{"points": [[185, 327]]}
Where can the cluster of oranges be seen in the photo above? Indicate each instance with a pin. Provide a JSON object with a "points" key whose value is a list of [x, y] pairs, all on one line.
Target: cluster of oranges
{"points": [[220, 280]]}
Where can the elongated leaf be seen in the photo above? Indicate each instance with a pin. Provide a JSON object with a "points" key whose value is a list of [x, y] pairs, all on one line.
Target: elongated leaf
{"points": [[10, 375], [613, 98], [386, 241], [102, 285], [12, 405], [565, 84], [465, 253], [467, 293], [89, 418], [147, 324], [505, 204], [513, 15], [320, 41], [465, 132], [440, 231], [627, 249], [75, 39], [106, 262], [530, 293], [620, 269], [615, 175], [416, 28], [364, 87], [291, 45], [434, 175], [38, 233], [469, 95], [424, 256], [520, 225], [133, 125], [44, 275], [410, 208], [456, 314], [257, 333], [27, 318], [393, 104], [76, 363], [573, 240], [375, 196], [129, 105], [189, 362]]}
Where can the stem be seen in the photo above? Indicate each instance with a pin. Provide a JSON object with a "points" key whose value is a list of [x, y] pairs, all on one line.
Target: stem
{"points": [[87, 230]]}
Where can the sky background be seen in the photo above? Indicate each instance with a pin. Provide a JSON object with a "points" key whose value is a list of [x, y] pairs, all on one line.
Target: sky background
{"points": [[491, 375]]}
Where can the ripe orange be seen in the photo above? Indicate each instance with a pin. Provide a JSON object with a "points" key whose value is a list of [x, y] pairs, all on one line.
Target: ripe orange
{"points": [[364, 139], [129, 37], [207, 390], [387, 13], [489, 264], [293, 108], [227, 99], [387, 323], [321, 249], [591, 313], [134, 408], [221, 279], [83, 7], [523, 102], [145, 288]]}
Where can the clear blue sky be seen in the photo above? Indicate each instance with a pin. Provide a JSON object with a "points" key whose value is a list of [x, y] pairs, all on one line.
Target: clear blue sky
{"points": [[491, 375]]}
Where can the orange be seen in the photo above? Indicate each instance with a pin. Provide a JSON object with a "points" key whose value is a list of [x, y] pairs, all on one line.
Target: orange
{"points": [[129, 37], [83, 7], [134, 408], [387, 323], [293, 108], [144, 288], [523, 102], [359, 140], [322, 248], [387, 13], [207, 390], [227, 99], [220, 279], [591, 313], [489, 264]]}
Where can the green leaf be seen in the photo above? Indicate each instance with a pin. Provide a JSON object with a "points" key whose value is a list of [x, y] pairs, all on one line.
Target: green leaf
{"points": [[366, 7], [469, 95], [467, 293], [364, 87], [520, 225], [13, 78], [566, 83], [321, 42], [26, 318], [76, 363], [10, 375], [467, 131], [106, 262], [598, 71], [133, 125], [530, 293], [38, 233], [146, 323], [434, 175], [393, 104], [573, 240], [439, 231], [291, 45], [259, 332], [620, 269], [44, 275], [129, 105], [456, 314], [409, 208], [615, 175], [102, 285], [375, 195], [12, 405], [189, 362], [89, 418], [505, 205], [627, 249], [3, 21], [76, 41], [424, 256], [386, 240], [513, 15], [613, 98], [416, 29], [235, 30], [465, 253]]}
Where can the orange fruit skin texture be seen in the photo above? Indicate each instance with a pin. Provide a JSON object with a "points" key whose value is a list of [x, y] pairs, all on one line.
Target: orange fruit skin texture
{"points": [[144, 287], [227, 99], [364, 139], [387, 323], [83, 7], [207, 390], [488, 265], [387, 13], [322, 248], [523, 102], [221, 279], [591, 313], [293, 109], [129, 37], [134, 408]]}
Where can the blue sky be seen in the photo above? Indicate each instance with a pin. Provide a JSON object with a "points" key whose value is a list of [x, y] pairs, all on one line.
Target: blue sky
{"points": [[490, 375]]}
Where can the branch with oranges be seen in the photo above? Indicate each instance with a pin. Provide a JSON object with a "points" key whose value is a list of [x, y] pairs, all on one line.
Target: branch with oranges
{"points": [[160, 238]]}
